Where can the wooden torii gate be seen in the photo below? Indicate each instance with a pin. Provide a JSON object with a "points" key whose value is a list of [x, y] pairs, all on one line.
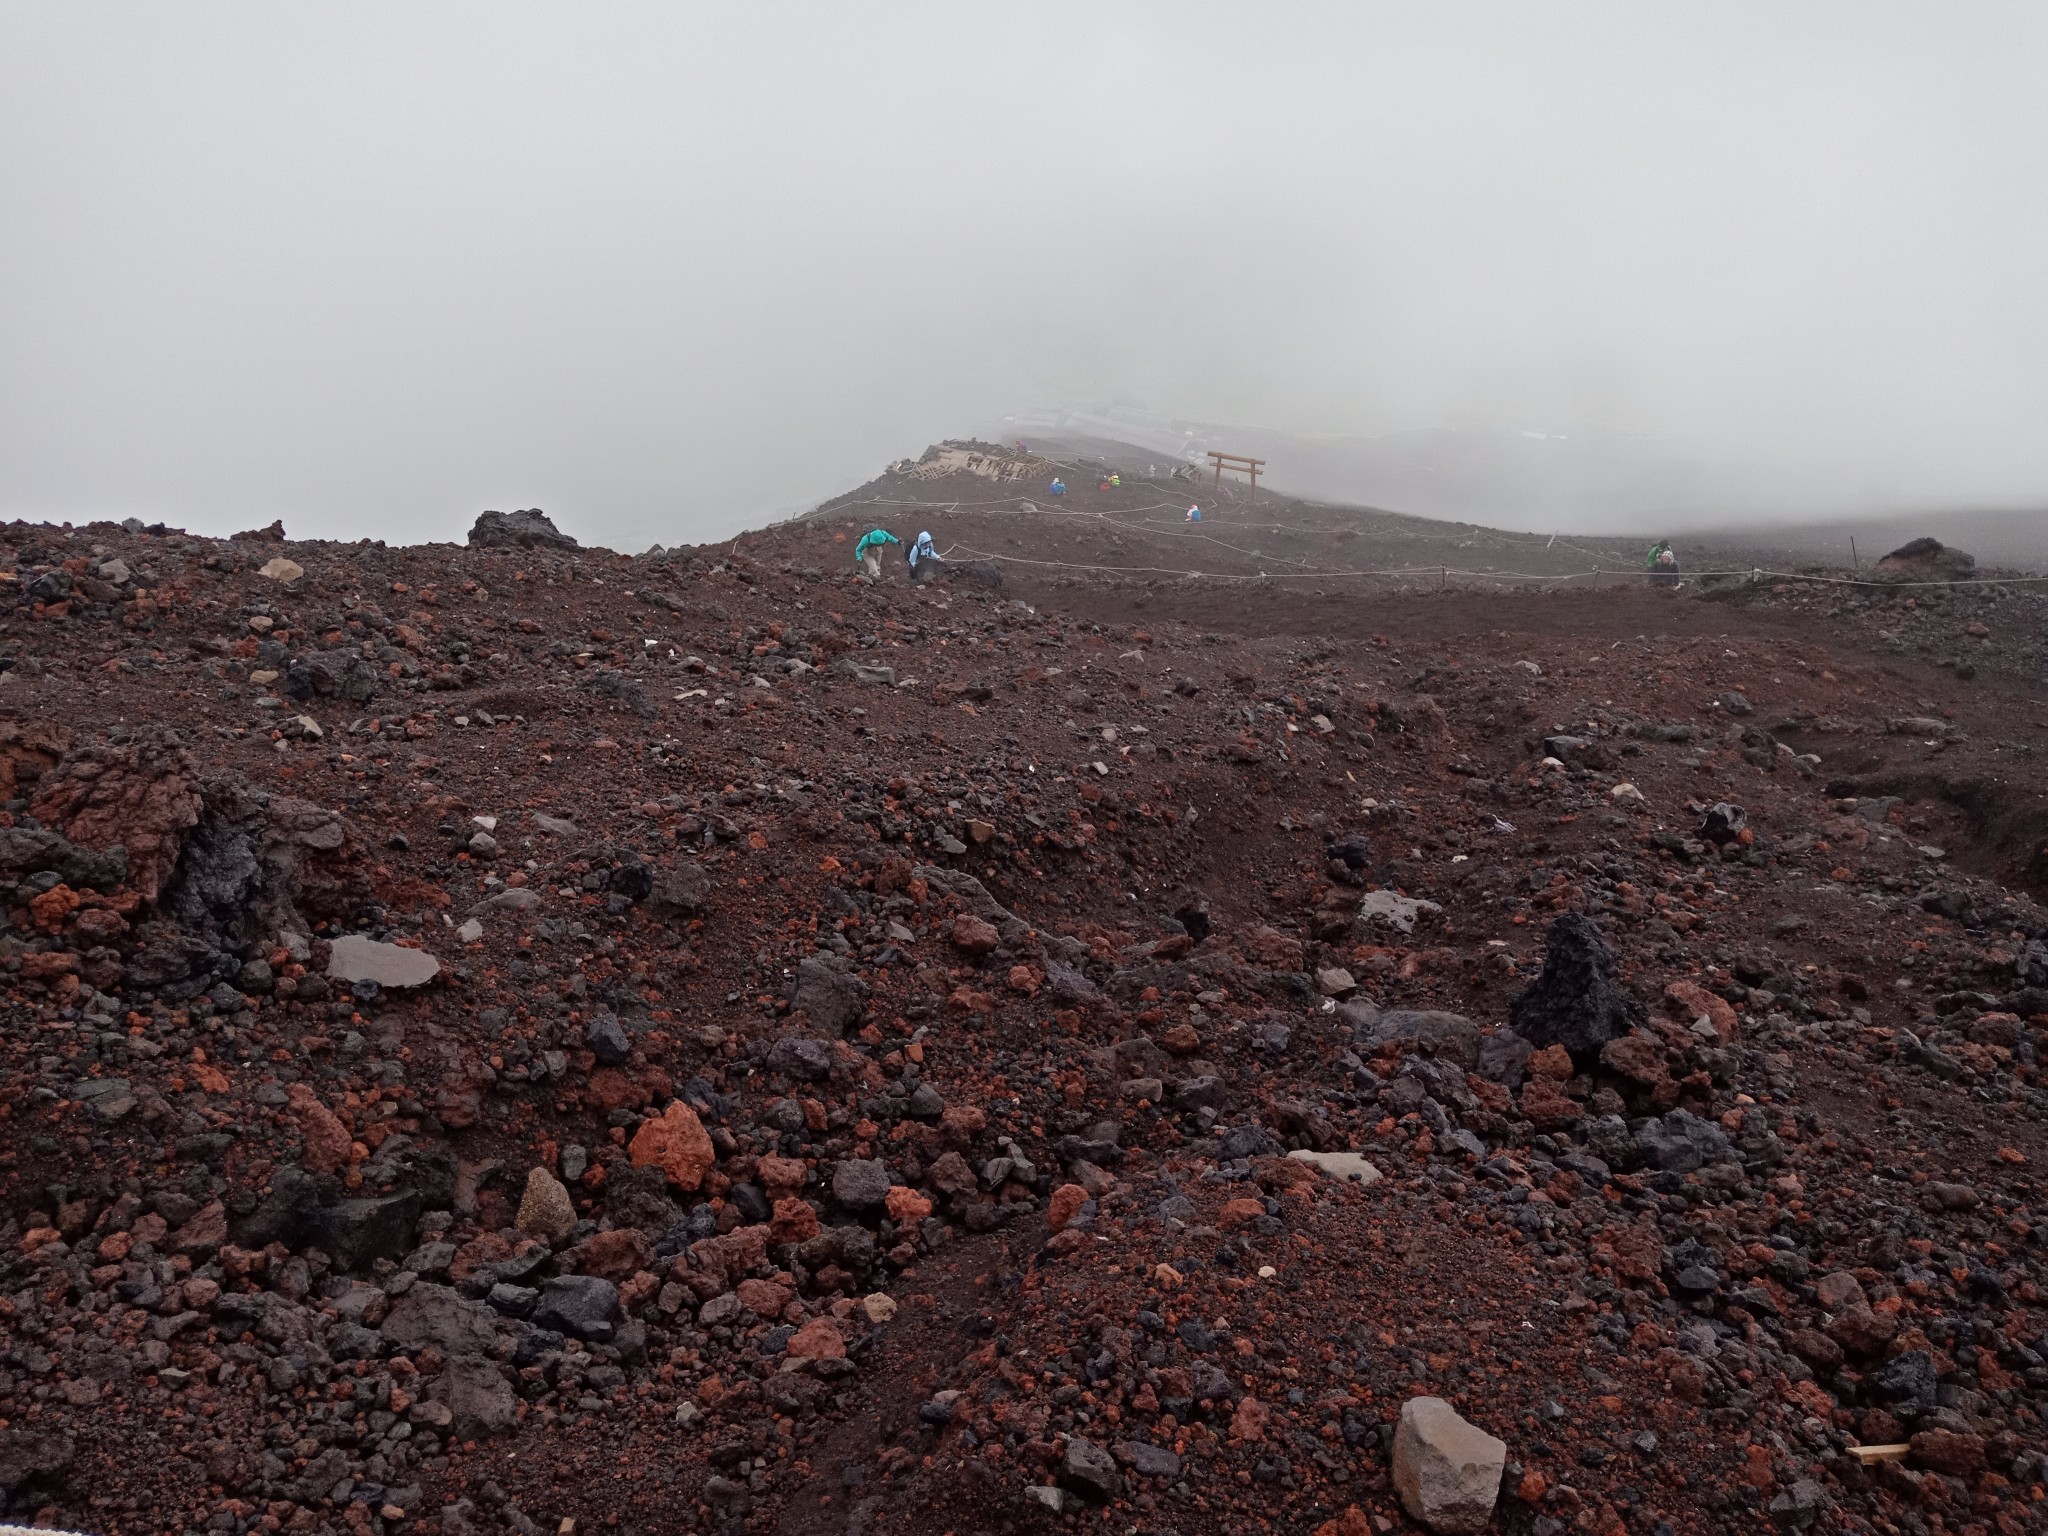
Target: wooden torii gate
{"points": [[1237, 463]]}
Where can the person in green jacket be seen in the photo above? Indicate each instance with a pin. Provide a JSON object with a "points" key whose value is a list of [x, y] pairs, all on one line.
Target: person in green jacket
{"points": [[1662, 564], [868, 552]]}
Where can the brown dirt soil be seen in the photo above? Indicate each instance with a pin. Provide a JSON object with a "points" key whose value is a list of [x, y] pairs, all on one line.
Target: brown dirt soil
{"points": [[1004, 941]]}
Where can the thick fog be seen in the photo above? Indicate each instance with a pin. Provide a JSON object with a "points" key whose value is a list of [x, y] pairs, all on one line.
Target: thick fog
{"points": [[669, 271]]}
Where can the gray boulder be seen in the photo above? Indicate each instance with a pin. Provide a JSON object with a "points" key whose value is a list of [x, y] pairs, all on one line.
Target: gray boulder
{"points": [[860, 1184], [586, 1306], [1446, 1469], [801, 1056], [1148, 1460], [1009, 927], [28, 851], [481, 1403], [828, 989], [1504, 1058], [1907, 1383], [1608, 1138], [1443, 1080], [681, 890], [1090, 1471], [1449, 1035], [1797, 1507], [528, 529], [1681, 1142], [31, 1460], [357, 1232], [352, 1233], [435, 1315], [336, 674], [1926, 559], [1204, 1092], [607, 1039]]}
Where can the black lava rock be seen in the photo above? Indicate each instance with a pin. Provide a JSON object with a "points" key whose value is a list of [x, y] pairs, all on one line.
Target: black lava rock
{"points": [[608, 1040], [1575, 1003]]}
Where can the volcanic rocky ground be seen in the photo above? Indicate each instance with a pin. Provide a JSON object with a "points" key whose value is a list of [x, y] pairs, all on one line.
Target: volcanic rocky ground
{"points": [[512, 1035]]}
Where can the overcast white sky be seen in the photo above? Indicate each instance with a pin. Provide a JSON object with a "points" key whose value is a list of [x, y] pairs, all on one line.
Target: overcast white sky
{"points": [[663, 270]]}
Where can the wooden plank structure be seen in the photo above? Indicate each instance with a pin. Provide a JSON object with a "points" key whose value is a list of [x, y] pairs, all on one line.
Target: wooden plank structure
{"points": [[1238, 464]]}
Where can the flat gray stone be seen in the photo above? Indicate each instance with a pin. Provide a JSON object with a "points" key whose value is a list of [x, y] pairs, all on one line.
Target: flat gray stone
{"points": [[359, 959], [1386, 909], [518, 898], [1148, 1460]]}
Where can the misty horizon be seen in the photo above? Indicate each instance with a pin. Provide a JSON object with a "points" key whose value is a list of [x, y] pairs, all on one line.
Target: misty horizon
{"points": [[372, 270]]}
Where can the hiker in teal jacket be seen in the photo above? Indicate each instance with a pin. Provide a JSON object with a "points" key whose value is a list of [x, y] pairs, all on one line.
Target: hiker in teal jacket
{"points": [[868, 552]]}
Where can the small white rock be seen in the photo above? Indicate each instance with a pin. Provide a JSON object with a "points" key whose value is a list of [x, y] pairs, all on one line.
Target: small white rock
{"points": [[1346, 1166]]}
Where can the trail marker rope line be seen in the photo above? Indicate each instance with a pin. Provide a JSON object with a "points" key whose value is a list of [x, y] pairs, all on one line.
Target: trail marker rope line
{"points": [[1445, 572], [1006, 505]]}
